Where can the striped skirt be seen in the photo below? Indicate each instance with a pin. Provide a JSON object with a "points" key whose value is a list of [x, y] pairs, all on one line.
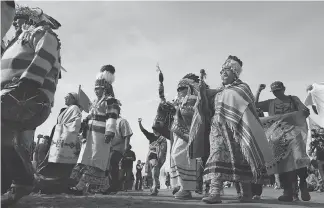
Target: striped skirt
{"points": [[183, 169], [92, 176]]}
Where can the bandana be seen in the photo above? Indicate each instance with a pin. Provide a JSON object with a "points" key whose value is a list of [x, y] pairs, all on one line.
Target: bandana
{"points": [[233, 65]]}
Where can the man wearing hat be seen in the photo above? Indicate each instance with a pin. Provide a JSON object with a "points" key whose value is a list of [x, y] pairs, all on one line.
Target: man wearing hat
{"points": [[283, 104]]}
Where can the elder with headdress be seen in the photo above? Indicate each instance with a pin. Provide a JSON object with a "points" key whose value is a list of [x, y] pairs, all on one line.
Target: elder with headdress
{"points": [[100, 129], [183, 168], [30, 69], [239, 149]]}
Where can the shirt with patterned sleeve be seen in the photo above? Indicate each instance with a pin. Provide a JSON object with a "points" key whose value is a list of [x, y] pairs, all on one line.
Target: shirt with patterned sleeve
{"points": [[35, 55]]}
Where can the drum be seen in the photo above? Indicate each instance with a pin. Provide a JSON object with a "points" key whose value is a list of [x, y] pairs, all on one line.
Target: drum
{"points": [[24, 110]]}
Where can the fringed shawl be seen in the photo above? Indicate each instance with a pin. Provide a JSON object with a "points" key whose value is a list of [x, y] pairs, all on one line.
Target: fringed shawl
{"points": [[229, 108]]}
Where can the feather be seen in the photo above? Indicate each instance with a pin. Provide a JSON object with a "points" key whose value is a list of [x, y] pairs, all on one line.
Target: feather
{"points": [[106, 75]]}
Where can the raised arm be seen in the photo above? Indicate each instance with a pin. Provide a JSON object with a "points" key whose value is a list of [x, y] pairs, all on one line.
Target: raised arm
{"points": [[147, 134], [263, 105]]}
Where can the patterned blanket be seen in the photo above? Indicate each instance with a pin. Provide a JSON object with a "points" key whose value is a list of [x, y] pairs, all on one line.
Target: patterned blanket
{"points": [[231, 108], [287, 136]]}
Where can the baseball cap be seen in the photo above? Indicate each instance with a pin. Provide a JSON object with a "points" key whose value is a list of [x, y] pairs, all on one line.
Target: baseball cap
{"points": [[277, 85]]}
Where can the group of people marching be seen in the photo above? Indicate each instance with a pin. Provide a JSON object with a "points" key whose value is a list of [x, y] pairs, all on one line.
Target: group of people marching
{"points": [[224, 131], [216, 135]]}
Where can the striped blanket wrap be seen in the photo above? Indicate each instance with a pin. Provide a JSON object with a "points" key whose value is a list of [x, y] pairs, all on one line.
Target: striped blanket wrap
{"points": [[230, 108]]}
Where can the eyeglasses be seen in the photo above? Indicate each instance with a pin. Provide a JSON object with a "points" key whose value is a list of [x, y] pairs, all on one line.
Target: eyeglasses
{"points": [[225, 70], [181, 88]]}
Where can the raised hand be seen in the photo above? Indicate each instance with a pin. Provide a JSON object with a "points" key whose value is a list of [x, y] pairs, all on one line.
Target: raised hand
{"points": [[261, 87], [139, 119], [309, 88]]}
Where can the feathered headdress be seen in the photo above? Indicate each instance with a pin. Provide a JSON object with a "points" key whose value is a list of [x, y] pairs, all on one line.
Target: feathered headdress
{"points": [[36, 16], [105, 78], [107, 73], [191, 82]]}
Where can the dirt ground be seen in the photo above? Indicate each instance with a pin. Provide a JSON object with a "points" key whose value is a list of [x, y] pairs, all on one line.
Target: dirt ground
{"points": [[140, 199]]}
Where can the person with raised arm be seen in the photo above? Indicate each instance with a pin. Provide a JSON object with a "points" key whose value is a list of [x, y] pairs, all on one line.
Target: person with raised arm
{"points": [[156, 156], [239, 150], [294, 158]]}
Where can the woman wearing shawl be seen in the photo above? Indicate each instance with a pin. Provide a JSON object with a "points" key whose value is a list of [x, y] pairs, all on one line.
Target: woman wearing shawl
{"points": [[101, 127], [291, 149], [65, 145], [238, 146], [183, 169]]}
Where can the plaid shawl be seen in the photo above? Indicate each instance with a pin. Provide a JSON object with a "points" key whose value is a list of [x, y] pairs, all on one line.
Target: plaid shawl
{"points": [[230, 109]]}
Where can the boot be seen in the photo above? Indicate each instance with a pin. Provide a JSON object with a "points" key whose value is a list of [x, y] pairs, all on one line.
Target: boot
{"points": [[247, 193], [183, 195], [304, 193], [212, 199], [154, 192], [287, 193], [287, 180]]}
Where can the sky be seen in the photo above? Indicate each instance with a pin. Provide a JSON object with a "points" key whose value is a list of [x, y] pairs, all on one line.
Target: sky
{"points": [[275, 40]]}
